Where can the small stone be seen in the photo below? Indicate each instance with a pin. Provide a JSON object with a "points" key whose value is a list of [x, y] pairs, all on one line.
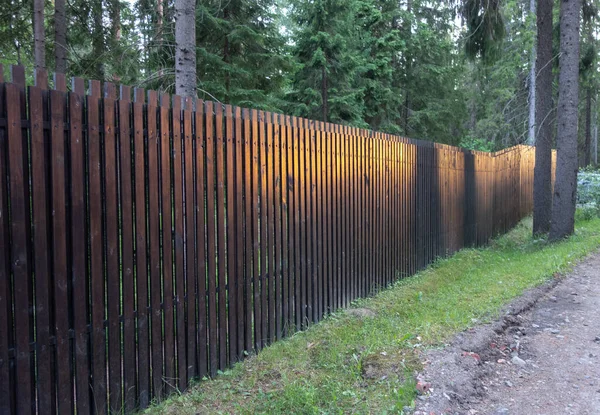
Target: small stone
{"points": [[597, 339], [535, 326], [518, 361], [407, 409], [553, 299], [502, 411], [558, 336], [508, 383], [501, 361]]}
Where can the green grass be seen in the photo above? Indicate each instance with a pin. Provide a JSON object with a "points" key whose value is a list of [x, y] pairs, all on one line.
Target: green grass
{"points": [[320, 371]]}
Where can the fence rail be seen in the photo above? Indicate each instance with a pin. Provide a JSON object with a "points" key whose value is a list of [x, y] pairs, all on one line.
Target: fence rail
{"points": [[144, 243]]}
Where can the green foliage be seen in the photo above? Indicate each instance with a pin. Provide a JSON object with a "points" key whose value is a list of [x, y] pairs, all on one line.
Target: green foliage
{"points": [[474, 143]]}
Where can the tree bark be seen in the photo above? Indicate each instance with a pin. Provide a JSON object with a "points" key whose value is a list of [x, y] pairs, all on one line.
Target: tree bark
{"points": [[60, 37], [542, 181], [565, 189], [39, 36], [185, 51], [532, 82], [98, 41]]}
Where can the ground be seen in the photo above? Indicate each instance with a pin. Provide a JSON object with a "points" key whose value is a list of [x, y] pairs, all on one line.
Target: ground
{"points": [[541, 357]]}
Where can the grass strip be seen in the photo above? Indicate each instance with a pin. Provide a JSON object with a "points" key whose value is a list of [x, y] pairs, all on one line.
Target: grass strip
{"points": [[354, 363]]}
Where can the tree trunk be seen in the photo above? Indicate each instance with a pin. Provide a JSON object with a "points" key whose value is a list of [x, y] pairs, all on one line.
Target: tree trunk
{"points": [[542, 181], [60, 37], [532, 83], [565, 189], [595, 137], [407, 69], [587, 149], [98, 41], [39, 40], [185, 51]]}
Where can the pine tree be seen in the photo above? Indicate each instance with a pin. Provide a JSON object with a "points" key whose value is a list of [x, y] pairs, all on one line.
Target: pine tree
{"points": [[565, 189]]}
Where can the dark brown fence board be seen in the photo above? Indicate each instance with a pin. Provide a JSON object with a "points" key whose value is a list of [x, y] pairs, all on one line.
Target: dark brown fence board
{"points": [[166, 157], [191, 278], [317, 281], [277, 229], [285, 205], [6, 338], [211, 250], [40, 196], [154, 232], [270, 272], [17, 153], [248, 231], [297, 266], [239, 231], [127, 249], [140, 149], [179, 247], [232, 274], [78, 241], [263, 231], [221, 243], [96, 261], [255, 169], [201, 229], [113, 277]]}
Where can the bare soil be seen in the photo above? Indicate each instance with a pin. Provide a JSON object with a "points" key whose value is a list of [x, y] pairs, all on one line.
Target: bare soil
{"points": [[541, 357]]}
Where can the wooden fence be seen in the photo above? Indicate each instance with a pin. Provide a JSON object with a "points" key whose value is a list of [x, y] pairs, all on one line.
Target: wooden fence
{"points": [[143, 244]]}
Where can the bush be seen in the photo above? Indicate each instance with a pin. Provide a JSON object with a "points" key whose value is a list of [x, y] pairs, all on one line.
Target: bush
{"points": [[586, 213]]}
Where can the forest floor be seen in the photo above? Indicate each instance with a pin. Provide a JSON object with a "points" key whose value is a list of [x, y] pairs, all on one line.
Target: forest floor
{"points": [[541, 357]]}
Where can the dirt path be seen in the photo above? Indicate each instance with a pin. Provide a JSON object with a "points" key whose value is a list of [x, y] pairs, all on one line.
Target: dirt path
{"points": [[543, 357]]}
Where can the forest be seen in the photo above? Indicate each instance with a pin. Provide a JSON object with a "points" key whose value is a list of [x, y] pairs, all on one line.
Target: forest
{"points": [[453, 72]]}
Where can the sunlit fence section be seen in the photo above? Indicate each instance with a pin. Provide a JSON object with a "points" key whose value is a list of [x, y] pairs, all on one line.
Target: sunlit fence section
{"points": [[146, 241]]}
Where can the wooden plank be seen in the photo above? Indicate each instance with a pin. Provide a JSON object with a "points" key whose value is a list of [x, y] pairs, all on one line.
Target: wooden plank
{"points": [[59, 250], [211, 239], [127, 247], [41, 218], [249, 223], [201, 221], [285, 205], [221, 242], [153, 199], [303, 254], [166, 157], [255, 169], [7, 404], [277, 272], [98, 335], [113, 277], [41, 78], [314, 232], [311, 289], [241, 259], [60, 82], [78, 86], [17, 74], [263, 229], [17, 156], [318, 232], [179, 247], [191, 277], [231, 222], [140, 138], [270, 273], [297, 260]]}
